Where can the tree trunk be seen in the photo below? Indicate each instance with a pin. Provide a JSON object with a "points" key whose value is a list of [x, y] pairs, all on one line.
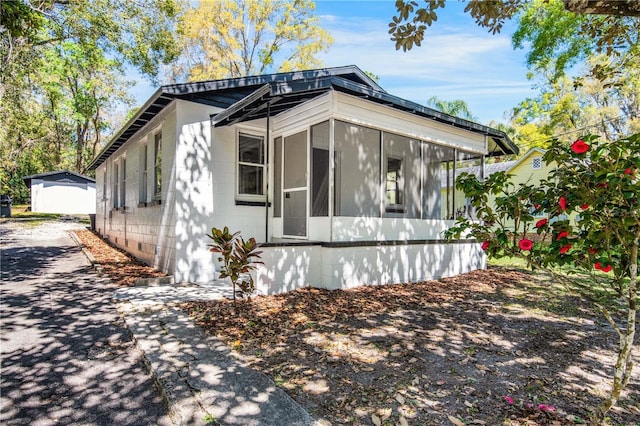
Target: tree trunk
{"points": [[624, 363]]}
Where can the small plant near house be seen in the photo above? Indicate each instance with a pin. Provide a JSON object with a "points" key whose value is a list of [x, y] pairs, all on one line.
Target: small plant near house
{"points": [[238, 257]]}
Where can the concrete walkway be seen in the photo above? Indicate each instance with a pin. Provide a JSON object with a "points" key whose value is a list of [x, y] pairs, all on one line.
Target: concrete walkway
{"points": [[199, 379]]}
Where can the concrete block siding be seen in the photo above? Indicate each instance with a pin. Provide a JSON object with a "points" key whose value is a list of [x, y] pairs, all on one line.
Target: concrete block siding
{"points": [[291, 267]]}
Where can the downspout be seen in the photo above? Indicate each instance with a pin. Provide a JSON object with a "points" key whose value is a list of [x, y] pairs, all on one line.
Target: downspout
{"points": [[267, 143], [453, 198], [332, 175]]}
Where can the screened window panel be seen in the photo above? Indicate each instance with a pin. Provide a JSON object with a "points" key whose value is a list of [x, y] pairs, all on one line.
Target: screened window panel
{"points": [[435, 178], [403, 154], [358, 175], [295, 213], [320, 169], [277, 177], [295, 158]]}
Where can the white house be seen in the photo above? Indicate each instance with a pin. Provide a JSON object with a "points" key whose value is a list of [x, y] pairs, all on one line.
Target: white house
{"points": [[62, 192], [339, 179]]}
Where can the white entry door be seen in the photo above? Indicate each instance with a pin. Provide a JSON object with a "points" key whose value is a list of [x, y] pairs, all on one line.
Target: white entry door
{"points": [[295, 187]]}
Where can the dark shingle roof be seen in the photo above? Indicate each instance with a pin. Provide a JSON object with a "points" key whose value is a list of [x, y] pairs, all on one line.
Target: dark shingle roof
{"points": [[250, 98], [59, 176]]}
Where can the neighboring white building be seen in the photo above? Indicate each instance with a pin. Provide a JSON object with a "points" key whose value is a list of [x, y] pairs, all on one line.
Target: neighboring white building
{"points": [[338, 179], [62, 192]]}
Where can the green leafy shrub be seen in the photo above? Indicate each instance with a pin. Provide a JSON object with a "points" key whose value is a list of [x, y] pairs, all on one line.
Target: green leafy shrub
{"points": [[591, 204], [238, 258]]}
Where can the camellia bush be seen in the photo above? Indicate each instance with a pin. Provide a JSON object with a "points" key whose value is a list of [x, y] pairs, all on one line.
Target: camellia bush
{"points": [[584, 217]]}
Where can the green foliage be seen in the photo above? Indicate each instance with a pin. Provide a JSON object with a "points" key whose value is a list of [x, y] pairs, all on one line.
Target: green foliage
{"points": [[602, 93], [232, 38], [606, 26], [62, 78], [456, 107], [591, 224], [238, 258]]}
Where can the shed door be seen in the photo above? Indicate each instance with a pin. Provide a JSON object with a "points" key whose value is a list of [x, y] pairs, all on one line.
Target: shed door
{"points": [[295, 187]]}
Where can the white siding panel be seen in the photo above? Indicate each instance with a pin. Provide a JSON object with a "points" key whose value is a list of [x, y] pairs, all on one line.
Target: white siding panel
{"points": [[358, 111]]}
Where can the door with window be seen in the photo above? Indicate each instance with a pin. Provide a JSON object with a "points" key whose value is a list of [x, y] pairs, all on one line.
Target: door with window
{"points": [[294, 186]]}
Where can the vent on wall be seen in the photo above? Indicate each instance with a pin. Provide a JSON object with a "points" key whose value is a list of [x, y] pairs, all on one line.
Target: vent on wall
{"points": [[139, 246]]}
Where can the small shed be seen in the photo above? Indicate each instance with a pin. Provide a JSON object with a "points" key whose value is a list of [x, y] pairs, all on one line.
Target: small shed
{"points": [[62, 192]]}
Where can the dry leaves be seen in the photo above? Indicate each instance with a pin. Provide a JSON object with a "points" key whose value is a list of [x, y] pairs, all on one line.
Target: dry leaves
{"points": [[433, 353]]}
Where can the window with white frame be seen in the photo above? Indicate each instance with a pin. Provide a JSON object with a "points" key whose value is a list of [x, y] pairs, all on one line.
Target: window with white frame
{"points": [[143, 173], [394, 184], [104, 186], [115, 180], [123, 182], [251, 166], [536, 163], [157, 166]]}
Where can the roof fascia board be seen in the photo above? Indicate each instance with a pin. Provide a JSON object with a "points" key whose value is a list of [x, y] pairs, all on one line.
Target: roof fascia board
{"points": [[241, 104], [98, 159], [413, 107]]}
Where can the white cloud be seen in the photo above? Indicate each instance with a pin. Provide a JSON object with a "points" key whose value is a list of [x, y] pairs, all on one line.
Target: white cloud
{"points": [[453, 63]]}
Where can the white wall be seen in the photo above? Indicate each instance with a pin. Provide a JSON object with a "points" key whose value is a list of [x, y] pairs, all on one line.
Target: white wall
{"points": [[145, 230], [288, 268], [194, 200], [63, 197]]}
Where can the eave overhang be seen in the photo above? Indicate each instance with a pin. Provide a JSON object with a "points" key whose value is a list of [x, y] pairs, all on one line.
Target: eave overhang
{"points": [[247, 98]]}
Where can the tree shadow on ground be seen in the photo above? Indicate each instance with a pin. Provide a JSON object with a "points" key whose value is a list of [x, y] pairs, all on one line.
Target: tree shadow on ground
{"points": [[66, 356], [427, 350]]}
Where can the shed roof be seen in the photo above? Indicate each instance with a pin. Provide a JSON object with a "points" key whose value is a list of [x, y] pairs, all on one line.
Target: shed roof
{"points": [[58, 176], [250, 98]]}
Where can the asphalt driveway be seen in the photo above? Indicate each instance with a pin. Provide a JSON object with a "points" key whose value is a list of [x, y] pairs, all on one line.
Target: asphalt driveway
{"points": [[65, 353]]}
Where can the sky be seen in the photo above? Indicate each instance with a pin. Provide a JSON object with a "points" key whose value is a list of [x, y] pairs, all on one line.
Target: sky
{"points": [[457, 59]]}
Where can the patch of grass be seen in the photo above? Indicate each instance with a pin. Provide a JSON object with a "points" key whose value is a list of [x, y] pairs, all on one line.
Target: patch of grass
{"points": [[36, 218], [508, 262]]}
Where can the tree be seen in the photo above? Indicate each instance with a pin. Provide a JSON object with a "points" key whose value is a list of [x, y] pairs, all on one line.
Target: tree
{"points": [[61, 77], [457, 107], [597, 182], [409, 25], [235, 38]]}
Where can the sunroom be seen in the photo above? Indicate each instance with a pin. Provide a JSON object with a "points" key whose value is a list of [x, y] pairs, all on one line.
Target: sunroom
{"points": [[354, 193]]}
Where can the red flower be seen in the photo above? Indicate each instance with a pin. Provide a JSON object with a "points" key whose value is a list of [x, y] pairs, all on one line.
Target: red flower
{"points": [[485, 245], [561, 235], [563, 203], [593, 251], [579, 147], [525, 244], [629, 171], [565, 249], [605, 268], [584, 206], [541, 223]]}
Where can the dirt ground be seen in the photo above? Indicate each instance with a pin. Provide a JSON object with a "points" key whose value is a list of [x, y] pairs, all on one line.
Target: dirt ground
{"points": [[494, 347]]}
